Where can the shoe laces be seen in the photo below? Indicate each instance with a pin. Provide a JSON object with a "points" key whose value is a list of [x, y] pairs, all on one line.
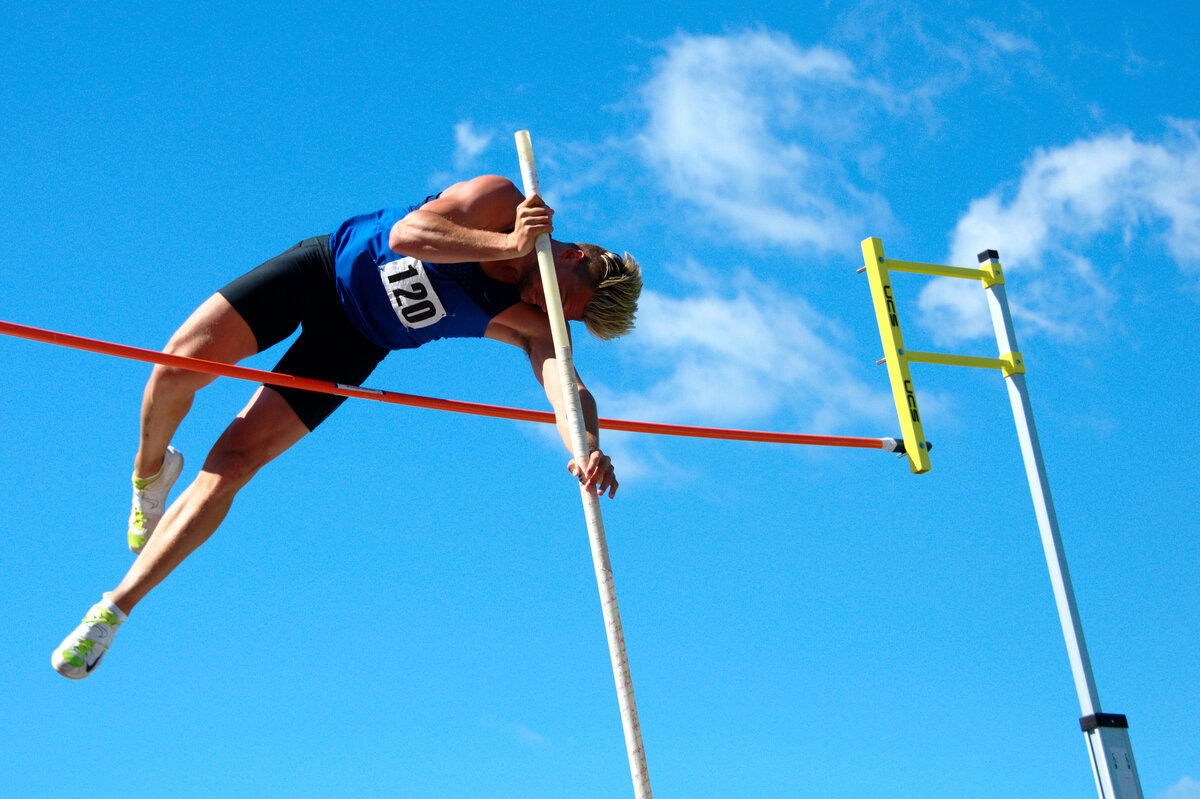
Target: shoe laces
{"points": [[99, 615], [83, 645]]}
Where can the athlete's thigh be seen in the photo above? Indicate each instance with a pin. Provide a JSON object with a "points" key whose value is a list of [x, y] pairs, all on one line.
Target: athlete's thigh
{"points": [[214, 332]]}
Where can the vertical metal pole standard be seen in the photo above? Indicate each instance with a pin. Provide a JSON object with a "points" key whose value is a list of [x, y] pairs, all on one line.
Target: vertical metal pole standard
{"points": [[1107, 733], [591, 501]]}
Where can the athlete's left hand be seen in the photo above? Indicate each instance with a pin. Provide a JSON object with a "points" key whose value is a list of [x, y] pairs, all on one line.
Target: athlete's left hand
{"points": [[597, 473]]}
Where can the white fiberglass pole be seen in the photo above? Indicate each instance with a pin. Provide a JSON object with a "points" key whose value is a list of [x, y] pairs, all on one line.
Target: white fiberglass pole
{"points": [[591, 500]]}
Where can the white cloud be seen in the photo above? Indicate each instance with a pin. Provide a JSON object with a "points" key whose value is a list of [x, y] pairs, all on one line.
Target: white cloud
{"points": [[527, 736], [1186, 788], [1004, 42], [753, 131], [469, 144], [517, 732], [1070, 200], [738, 350]]}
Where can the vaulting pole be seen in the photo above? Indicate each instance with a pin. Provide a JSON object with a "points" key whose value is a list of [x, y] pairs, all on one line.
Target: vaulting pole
{"points": [[591, 499]]}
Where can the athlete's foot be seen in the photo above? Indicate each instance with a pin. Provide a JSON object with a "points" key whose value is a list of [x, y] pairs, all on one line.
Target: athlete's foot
{"points": [[150, 499], [82, 650]]}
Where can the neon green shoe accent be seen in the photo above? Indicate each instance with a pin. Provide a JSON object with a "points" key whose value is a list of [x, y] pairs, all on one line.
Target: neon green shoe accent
{"points": [[150, 499], [105, 615], [76, 654], [140, 483], [137, 531]]}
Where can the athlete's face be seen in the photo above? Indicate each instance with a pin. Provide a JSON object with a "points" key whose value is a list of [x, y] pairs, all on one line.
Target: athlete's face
{"points": [[574, 284]]}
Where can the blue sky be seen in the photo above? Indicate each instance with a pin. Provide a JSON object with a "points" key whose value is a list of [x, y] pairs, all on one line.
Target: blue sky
{"points": [[404, 603]]}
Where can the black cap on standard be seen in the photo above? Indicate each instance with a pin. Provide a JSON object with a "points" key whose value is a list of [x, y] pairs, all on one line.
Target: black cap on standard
{"points": [[1096, 720], [989, 255]]}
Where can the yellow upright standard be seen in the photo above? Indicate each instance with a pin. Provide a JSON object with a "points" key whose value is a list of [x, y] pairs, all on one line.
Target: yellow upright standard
{"points": [[897, 363]]}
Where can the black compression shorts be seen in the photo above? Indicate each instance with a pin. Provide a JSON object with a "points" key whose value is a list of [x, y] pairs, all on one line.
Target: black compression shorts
{"points": [[294, 289]]}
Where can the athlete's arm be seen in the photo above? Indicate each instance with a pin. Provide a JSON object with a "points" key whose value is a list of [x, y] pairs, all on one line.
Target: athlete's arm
{"points": [[482, 219], [597, 473]]}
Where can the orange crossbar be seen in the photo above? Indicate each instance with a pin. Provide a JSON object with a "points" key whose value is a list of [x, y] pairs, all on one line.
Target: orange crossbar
{"points": [[397, 398]]}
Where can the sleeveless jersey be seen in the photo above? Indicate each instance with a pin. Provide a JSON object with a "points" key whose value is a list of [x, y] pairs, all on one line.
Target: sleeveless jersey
{"points": [[400, 302]]}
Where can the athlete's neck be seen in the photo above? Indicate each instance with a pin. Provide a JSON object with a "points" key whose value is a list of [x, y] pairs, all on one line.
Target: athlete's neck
{"points": [[510, 270]]}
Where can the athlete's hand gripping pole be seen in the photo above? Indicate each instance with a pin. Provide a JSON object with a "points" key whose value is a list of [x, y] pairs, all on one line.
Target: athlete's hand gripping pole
{"points": [[591, 500]]}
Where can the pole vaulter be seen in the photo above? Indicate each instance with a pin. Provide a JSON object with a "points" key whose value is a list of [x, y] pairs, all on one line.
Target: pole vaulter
{"points": [[291, 405]]}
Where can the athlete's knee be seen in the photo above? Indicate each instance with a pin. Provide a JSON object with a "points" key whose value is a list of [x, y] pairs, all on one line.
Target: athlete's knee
{"points": [[173, 380], [230, 468]]}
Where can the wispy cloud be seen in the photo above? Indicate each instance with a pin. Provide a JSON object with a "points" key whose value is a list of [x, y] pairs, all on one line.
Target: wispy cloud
{"points": [[527, 736], [1004, 42], [469, 144], [1111, 188], [1186, 788], [735, 349], [752, 131], [517, 732], [932, 54]]}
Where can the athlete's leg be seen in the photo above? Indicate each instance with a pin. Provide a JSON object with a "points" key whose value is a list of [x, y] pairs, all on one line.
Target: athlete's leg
{"points": [[264, 429], [260, 433], [214, 332]]}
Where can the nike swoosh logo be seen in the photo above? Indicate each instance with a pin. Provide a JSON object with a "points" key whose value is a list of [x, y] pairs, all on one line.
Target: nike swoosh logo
{"points": [[91, 666]]}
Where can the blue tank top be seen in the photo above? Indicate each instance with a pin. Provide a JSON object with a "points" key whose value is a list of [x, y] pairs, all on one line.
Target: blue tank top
{"points": [[400, 302]]}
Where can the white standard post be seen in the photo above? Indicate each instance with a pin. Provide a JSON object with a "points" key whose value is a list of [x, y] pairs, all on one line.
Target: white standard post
{"points": [[591, 500], [1107, 733]]}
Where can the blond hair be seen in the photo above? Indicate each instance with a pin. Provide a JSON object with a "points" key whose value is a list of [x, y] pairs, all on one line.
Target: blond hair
{"points": [[618, 284]]}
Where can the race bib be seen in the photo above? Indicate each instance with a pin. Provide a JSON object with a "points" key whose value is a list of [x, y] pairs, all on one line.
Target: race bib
{"points": [[413, 298]]}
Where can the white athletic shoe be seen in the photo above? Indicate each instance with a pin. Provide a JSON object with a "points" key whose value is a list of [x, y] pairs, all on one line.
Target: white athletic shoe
{"points": [[81, 651], [150, 499]]}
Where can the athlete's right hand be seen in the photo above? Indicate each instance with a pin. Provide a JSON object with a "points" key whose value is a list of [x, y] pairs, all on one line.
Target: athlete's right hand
{"points": [[597, 474], [533, 219]]}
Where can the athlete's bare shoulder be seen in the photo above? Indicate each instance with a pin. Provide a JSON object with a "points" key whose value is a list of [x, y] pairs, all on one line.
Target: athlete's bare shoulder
{"points": [[488, 202]]}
